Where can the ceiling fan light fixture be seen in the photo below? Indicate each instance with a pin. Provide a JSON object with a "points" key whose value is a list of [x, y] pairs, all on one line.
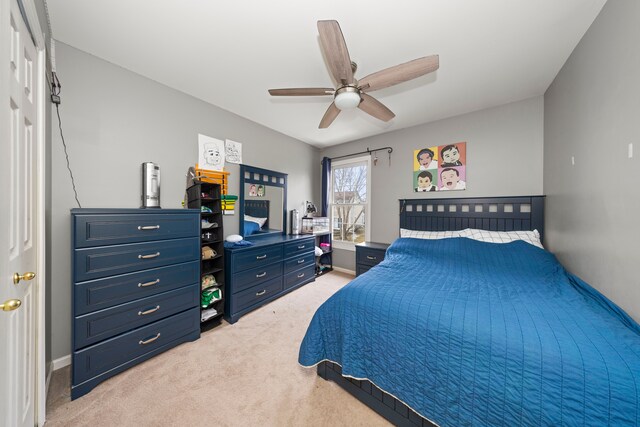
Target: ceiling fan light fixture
{"points": [[347, 98], [353, 93]]}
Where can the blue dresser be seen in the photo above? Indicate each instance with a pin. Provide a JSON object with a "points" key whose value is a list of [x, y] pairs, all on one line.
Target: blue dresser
{"points": [[136, 288], [256, 275]]}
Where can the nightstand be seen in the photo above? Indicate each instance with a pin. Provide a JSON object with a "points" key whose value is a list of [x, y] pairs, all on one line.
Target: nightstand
{"points": [[369, 254]]}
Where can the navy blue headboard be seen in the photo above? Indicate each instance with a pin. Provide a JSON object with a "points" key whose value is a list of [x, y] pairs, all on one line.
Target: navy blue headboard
{"points": [[258, 209], [486, 213]]}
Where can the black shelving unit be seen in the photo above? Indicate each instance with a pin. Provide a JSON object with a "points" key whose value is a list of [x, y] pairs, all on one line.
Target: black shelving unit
{"points": [[324, 263], [199, 195]]}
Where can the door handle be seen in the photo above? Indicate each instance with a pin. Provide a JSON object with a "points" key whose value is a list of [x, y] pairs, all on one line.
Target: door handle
{"points": [[26, 276], [10, 305]]}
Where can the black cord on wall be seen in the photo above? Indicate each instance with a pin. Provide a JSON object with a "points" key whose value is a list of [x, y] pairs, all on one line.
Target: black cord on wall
{"points": [[55, 98]]}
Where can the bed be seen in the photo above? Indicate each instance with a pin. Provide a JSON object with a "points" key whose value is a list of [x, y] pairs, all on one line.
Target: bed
{"points": [[456, 332], [258, 209]]}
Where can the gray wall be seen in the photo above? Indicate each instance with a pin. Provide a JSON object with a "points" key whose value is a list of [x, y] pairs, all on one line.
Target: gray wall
{"points": [[504, 157], [113, 120], [592, 112]]}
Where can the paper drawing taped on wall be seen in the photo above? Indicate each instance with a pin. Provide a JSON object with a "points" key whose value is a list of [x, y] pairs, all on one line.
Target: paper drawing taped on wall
{"points": [[233, 151], [211, 153], [440, 168]]}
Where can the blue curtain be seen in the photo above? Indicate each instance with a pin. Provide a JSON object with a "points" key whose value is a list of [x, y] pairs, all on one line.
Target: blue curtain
{"points": [[326, 184]]}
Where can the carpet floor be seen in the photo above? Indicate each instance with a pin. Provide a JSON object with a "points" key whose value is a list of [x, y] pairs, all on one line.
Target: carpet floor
{"points": [[235, 375]]}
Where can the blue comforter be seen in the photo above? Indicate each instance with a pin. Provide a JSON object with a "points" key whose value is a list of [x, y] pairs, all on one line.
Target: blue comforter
{"points": [[473, 333]]}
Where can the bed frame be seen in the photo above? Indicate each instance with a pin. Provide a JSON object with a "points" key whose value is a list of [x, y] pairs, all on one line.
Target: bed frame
{"points": [[486, 213], [258, 209]]}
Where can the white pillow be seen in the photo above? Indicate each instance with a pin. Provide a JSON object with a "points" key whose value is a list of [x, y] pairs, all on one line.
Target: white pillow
{"points": [[429, 235], [531, 237], [260, 221]]}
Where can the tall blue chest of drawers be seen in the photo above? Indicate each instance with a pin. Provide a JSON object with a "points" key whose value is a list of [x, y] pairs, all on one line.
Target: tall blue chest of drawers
{"points": [[135, 291]]}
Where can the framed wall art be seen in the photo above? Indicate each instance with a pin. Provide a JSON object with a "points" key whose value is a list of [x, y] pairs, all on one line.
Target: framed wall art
{"points": [[440, 168]]}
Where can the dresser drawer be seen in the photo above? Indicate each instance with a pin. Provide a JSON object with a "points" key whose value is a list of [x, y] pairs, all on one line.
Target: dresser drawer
{"points": [[295, 278], [299, 262], [369, 256], [248, 278], [256, 294], [257, 257], [100, 230], [93, 263], [109, 354], [103, 324], [362, 268], [103, 293], [299, 247]]}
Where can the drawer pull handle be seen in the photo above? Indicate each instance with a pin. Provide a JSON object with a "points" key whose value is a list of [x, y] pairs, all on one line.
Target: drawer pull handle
{"points": [[262, 292], [148, 227], [157, 254], [373, 258], [150, 340], [300, 276], [261, 275], [300, 261], [144, 285], [302, 246], [261, 256], [151, 310]]}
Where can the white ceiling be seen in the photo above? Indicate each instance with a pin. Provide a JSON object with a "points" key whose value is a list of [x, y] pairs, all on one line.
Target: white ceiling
{"points": [[229, 53]]}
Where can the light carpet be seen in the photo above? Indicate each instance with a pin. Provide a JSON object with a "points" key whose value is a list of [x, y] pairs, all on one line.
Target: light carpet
{"points": [[235, 375]]}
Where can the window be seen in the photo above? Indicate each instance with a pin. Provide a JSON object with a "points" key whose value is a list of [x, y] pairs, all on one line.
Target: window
{"points": [[350, 201]]}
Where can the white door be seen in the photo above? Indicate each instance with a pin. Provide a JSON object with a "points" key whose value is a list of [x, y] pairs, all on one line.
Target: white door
{"points": [[18, 215]]}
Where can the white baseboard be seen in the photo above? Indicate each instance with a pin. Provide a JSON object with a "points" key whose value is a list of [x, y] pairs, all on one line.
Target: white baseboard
{"points": [[61, 362], [344, 270]]}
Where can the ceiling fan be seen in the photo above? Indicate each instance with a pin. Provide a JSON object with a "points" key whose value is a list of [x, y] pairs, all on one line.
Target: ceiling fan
{"points": [[351, 93]]}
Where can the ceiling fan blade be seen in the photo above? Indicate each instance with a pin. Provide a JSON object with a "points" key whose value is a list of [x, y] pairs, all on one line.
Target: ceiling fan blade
{"points": [[372, 106], [329, 116], [305, 91], [399, 73], [335, 51]]}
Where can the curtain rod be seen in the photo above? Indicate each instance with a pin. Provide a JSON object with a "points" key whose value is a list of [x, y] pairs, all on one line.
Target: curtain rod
{"points": [[389, 150]]}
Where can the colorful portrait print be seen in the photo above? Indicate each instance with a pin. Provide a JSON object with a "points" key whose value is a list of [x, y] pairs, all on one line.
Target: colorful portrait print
{"points": [[440, 168], [425, 169], [425, 181], [452, 178], [452, 155]]}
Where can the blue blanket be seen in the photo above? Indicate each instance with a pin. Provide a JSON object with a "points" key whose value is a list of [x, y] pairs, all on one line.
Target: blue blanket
{"points": [[473, 333]]}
